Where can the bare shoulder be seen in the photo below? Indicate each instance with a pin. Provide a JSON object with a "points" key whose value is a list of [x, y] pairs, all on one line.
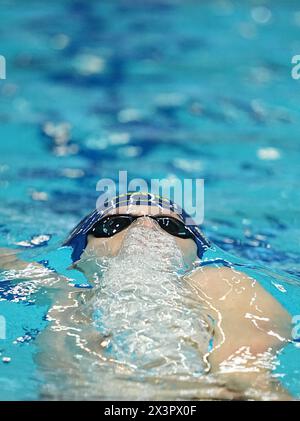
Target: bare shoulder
{"points": [[216, 281], [239, 295]]}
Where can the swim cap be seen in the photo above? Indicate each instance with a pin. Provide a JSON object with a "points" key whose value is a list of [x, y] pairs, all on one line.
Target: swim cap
{"points": [[78, 237]]}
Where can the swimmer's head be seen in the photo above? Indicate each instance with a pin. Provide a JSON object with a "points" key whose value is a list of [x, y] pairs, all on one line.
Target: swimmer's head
{"points": [[123, 226], [103, 232]]}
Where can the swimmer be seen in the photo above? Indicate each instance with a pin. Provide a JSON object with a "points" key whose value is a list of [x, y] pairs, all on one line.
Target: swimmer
{"points": [[154, 314]]}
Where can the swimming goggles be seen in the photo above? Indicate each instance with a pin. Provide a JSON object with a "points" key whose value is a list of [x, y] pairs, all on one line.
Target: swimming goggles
{"points": [[111, 225]]}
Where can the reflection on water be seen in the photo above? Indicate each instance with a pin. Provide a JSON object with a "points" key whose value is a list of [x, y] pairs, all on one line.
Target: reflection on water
{"points": [[147, 312], [149, 325], [160, 87], [148, 328]]}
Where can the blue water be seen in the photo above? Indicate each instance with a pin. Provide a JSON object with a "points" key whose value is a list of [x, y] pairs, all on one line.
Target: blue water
{"points": [[159, 88]]}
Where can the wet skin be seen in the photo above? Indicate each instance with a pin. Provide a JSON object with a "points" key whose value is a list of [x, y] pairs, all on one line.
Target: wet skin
{"points": [[251, 326]]}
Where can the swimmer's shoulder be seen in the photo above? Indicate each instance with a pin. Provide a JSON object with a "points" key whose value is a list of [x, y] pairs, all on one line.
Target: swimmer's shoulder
{"points": [[226, 280], [237, 293], [213, 281]]}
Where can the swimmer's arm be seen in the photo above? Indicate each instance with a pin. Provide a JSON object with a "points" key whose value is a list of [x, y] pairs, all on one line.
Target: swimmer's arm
{"points": [[10, 261], [22, 270], [251, 326]]}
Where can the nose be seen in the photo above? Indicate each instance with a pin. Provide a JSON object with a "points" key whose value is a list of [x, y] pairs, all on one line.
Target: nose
{"points": [[145, 221]]}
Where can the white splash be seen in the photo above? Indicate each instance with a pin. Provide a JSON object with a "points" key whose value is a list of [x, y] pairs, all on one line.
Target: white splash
{"points": [[146, 311]]}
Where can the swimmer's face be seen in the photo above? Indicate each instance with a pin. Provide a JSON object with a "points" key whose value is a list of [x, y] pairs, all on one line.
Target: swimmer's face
{"points": [[109, 247]]}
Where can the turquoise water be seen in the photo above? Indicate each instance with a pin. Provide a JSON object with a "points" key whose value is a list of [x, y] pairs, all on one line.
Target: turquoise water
{"points": [[158, 88]]}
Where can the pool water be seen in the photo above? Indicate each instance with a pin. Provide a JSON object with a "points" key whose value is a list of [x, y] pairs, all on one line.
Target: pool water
{"points": [[160, 88]]}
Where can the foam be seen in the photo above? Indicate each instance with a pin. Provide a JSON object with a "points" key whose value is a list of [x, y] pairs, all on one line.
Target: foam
{"points": [[144, 308]]}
